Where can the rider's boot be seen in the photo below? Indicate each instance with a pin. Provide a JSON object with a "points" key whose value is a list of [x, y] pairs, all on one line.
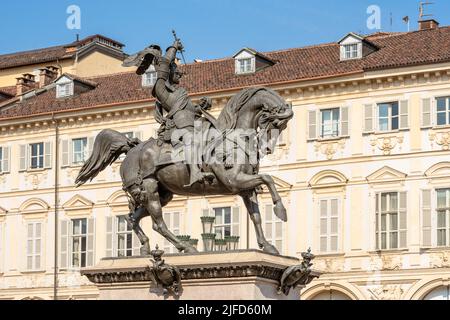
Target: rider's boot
{"points": [[198, 176]]}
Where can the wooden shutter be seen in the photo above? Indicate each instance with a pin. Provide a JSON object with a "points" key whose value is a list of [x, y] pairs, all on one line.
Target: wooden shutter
{"points": [[90, 142], [403, 113], [268, 218], [48, 155], [426, 218], [136, 245], [369, 118], [334, 225], [377, 222], [427, 116], [109, 236], [65, 159], [344, 122], [312, 125], [23, 157], [90, 242], [6, 160], [1, 247], [323, 225], [403, 210], [235, 211], [64, 244]]}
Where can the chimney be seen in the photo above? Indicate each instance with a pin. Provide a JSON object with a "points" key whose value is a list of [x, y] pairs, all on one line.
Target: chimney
{"points": [[428, 24], [47, 75], [25, 83]]}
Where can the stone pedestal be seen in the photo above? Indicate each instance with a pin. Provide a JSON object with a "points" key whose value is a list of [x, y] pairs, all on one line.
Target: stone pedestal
{"points": [[234, 275]]}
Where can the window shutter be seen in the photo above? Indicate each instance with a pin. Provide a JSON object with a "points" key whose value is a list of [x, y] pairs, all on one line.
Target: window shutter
{"points": [[426, 113], [136, 245], [312, 125], [403, 210], [48, 155], [334, 231], [91, 141], [344, 122], [235, 228], [369, 118], [38, 245], [404, 107], [1, 247], [426, 218], [109, 237], [64, 244], [377, 222], [90, 242], [23, 157], [323, 225], [6, 160], [268, 217], [65, 161]]}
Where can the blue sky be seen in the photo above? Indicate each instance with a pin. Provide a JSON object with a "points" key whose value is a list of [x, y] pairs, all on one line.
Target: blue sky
{"points": [[209, 29]]}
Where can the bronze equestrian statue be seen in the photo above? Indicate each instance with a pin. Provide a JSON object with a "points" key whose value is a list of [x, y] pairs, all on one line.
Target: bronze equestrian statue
{"points": [[182, 162]]}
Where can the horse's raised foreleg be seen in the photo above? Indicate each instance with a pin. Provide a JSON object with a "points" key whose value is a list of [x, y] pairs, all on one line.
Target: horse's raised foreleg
{"points": [[154, 207], [251, 203], [133, 220]]}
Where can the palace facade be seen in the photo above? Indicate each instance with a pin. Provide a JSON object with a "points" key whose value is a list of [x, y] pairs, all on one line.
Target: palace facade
{"points": [[363, 168]]}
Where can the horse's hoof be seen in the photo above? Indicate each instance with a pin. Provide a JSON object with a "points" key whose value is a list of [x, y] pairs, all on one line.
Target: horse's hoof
{"points": [[280, 211], [270, 249]]}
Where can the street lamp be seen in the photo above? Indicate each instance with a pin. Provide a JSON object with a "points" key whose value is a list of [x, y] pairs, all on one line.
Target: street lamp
{"points": [[193, 242], [220, 244], [208, 241], [232, 242], [207, 224]]}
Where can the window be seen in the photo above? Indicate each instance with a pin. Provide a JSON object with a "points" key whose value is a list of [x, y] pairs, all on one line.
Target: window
{"points": [[245, 65], [124, 238], [172, 220], [34, 246], [1, 159], [443, 111], [273, 228], [226, 223], [351, 51], [37, 155], [80, 150], [149, 78], [330, 119], [64, 90], [388, 116], [443, 217], [329, 222], [79, 243], [391, 220]]}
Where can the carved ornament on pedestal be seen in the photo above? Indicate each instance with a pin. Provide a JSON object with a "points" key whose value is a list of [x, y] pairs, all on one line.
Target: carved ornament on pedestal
{"points": [[386, 143]]}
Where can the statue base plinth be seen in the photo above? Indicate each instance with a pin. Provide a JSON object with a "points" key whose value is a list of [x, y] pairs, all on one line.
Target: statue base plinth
{"points": [[230, 275]]}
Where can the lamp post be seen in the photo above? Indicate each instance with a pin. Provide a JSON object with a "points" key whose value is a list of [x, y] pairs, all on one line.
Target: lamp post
{"points": [[193, 242], [220, 244], [232, 242], [184, 238], [208, 236]]}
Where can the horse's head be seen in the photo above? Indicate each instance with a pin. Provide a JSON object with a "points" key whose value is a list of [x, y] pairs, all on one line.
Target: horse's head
{"points": [[274, 116]]}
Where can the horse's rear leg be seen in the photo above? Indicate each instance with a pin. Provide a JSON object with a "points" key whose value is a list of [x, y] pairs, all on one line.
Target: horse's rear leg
{"points": [[251, 203], [133, 220], [154, 207]]}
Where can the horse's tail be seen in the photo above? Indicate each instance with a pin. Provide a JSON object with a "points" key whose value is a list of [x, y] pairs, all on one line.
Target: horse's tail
{"points": [[108, 146]]}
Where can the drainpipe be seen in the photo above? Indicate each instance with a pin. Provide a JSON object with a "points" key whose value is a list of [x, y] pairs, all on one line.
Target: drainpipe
{"points": [[56, 162]]}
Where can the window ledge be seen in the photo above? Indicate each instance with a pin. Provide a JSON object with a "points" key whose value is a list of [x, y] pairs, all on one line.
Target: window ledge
{"points": [[329, 139], [35, 170], [330, 255], [434, 249], [388, 251], [437, 128], [385, 133], [33, 271]]}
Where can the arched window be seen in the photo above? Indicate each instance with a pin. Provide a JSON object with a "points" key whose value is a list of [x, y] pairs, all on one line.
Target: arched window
{"points": [[441, 293], [331, 295]]}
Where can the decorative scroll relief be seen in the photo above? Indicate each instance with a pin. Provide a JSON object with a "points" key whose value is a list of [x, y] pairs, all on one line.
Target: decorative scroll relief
{"points": [[440, 260], [385, 263], [329, 148], [441, 138], [330, 265], [388, 291], [386, 143]]}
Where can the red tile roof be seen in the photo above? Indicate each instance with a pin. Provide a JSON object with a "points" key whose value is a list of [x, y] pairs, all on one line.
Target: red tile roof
{"points": [[293, 65]]}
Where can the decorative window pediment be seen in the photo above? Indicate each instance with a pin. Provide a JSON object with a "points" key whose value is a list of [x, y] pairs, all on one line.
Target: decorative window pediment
{"points": [[439, 170], [386, 174], [78, 202], [34, 206], [118, 198], [328, 178]]}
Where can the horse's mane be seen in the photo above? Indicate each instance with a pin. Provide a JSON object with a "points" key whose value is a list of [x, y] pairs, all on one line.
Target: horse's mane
{"points": [[228, 116]]}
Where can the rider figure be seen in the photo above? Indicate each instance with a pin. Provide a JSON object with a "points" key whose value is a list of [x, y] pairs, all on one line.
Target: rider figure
{"points": [[181, 112]]}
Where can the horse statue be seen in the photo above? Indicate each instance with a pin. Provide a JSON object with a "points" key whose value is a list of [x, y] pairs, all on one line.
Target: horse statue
{"points": [[151, 178]]}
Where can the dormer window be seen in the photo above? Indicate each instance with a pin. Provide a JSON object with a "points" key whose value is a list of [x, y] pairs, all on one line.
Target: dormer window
{"points": [[354, 46], [351, 51], [249, 61], [245, 65], [149, 77], [64, 89]]}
